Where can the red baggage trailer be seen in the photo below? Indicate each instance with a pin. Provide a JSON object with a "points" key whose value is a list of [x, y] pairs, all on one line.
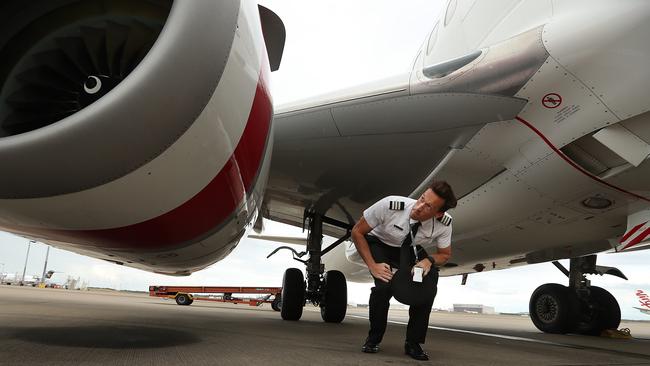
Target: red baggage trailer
{"points": [[185, 295]]}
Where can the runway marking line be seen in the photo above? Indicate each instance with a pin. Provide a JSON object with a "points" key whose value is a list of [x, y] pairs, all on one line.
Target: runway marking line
{"points": [[514, 338], [493, 335]]}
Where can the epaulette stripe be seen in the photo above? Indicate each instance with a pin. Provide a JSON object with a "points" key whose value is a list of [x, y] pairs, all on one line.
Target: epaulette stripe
{"points": [[446, 219]]}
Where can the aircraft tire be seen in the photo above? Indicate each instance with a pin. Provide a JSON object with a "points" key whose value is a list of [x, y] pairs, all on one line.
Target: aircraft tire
{"points": [[293, 294], [335, 300], [553, 308], [603, 312]]}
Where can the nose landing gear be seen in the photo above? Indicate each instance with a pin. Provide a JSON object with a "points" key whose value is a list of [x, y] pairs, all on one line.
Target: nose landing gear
{"points": [[325, 289]]}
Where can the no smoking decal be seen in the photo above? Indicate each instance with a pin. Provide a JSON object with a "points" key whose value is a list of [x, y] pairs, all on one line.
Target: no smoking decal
{"points": [[552, 100]]}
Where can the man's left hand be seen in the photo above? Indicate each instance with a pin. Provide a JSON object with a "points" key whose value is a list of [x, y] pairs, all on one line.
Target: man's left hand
{"points": [[425, 264]]}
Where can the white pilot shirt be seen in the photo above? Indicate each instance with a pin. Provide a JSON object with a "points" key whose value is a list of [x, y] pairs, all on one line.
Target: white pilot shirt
{"points": [[391, 225]]}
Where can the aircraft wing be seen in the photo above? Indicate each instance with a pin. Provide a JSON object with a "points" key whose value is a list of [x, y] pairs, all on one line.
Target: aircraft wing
{"points": [[339, 154]]}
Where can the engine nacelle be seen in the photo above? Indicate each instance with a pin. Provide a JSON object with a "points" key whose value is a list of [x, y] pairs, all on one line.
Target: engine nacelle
{"points": [[133, 131]]}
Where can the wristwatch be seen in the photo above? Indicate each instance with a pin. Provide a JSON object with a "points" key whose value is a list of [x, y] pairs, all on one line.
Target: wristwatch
{"points": [[433, 261]]}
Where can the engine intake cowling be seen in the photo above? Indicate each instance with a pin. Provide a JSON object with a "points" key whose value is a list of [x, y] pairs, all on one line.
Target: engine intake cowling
{"points": [[91, 90]]}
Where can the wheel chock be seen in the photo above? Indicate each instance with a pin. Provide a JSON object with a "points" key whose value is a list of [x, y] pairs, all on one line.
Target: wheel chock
{"points": [[623, 333]]}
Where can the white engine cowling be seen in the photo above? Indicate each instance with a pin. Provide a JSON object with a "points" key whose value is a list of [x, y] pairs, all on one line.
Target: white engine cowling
{"points": [[133, 131]]}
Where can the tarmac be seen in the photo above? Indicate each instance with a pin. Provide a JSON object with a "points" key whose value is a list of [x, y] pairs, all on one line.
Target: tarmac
{"points": [[61, 327]]}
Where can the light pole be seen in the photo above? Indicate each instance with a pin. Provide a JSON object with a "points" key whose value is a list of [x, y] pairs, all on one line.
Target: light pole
{"points": [[47, 255], [22, 279]]}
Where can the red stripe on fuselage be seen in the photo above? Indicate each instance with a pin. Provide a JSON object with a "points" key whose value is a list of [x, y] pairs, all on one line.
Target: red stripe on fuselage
{"points": [[631, 232], [638, 239], [203, 212]]}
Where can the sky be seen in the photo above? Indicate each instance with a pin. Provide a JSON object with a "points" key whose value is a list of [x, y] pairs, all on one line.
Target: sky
{"points": [[333, 45]]}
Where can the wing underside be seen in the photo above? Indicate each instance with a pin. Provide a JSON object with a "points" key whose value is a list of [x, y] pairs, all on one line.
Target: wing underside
{"points": [[339, 158]]}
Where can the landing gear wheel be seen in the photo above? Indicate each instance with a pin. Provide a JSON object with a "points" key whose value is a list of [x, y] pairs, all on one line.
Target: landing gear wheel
{"points": [[335, 298], [553, 308], [602, 312], [293, 294], [183, 299], [276, 304]]}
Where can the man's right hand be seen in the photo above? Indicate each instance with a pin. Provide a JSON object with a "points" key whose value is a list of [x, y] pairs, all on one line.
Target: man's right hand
{"points": [[381, 271]]}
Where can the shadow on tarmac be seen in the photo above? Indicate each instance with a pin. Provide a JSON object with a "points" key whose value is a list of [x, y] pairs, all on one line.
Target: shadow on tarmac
{"points": [[111, 336]]}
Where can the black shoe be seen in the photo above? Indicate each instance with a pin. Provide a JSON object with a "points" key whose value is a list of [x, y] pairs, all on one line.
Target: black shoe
{"points": [[415, 351], [370, 347]]}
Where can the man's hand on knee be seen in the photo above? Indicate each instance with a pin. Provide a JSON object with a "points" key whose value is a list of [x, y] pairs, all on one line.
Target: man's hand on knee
{"points": [[381, 271]]}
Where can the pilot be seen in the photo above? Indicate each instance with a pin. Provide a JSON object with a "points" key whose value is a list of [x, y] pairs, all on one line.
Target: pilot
{"points": [[379, 237]]}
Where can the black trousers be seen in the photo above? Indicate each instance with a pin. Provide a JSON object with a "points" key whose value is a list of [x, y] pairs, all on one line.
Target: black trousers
{"points": [[380, 296]]}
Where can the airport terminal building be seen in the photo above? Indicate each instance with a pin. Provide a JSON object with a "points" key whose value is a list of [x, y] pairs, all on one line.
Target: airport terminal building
{"points": [[473, 308]]}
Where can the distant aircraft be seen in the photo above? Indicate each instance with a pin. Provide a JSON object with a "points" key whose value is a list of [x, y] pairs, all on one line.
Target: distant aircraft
{"points": [[644, 300], [12, 279]]}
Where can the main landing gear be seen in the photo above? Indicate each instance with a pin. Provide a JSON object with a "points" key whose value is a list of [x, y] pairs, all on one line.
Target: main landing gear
{"points": [[325, 289], [579, 308]]}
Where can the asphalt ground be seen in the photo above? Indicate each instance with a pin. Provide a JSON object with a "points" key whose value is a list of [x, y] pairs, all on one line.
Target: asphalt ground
{"points": [[60, 327]]}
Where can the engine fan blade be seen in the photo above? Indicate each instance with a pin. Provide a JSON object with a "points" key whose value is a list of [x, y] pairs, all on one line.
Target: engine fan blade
{"points": [[95, 41], [75, 50], [116, 36], [43, 77]]}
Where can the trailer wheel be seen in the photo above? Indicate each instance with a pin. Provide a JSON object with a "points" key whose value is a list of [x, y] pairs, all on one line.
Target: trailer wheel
{"points": [[183, 299], [276, 304]]}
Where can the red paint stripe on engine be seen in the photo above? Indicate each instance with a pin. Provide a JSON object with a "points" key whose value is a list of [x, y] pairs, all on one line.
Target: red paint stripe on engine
{"points": [[203, 212]]}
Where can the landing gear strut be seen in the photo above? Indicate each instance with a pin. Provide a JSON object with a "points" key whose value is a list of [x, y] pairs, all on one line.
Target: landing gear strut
{"points": [[579, 308], [325, 289]]}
